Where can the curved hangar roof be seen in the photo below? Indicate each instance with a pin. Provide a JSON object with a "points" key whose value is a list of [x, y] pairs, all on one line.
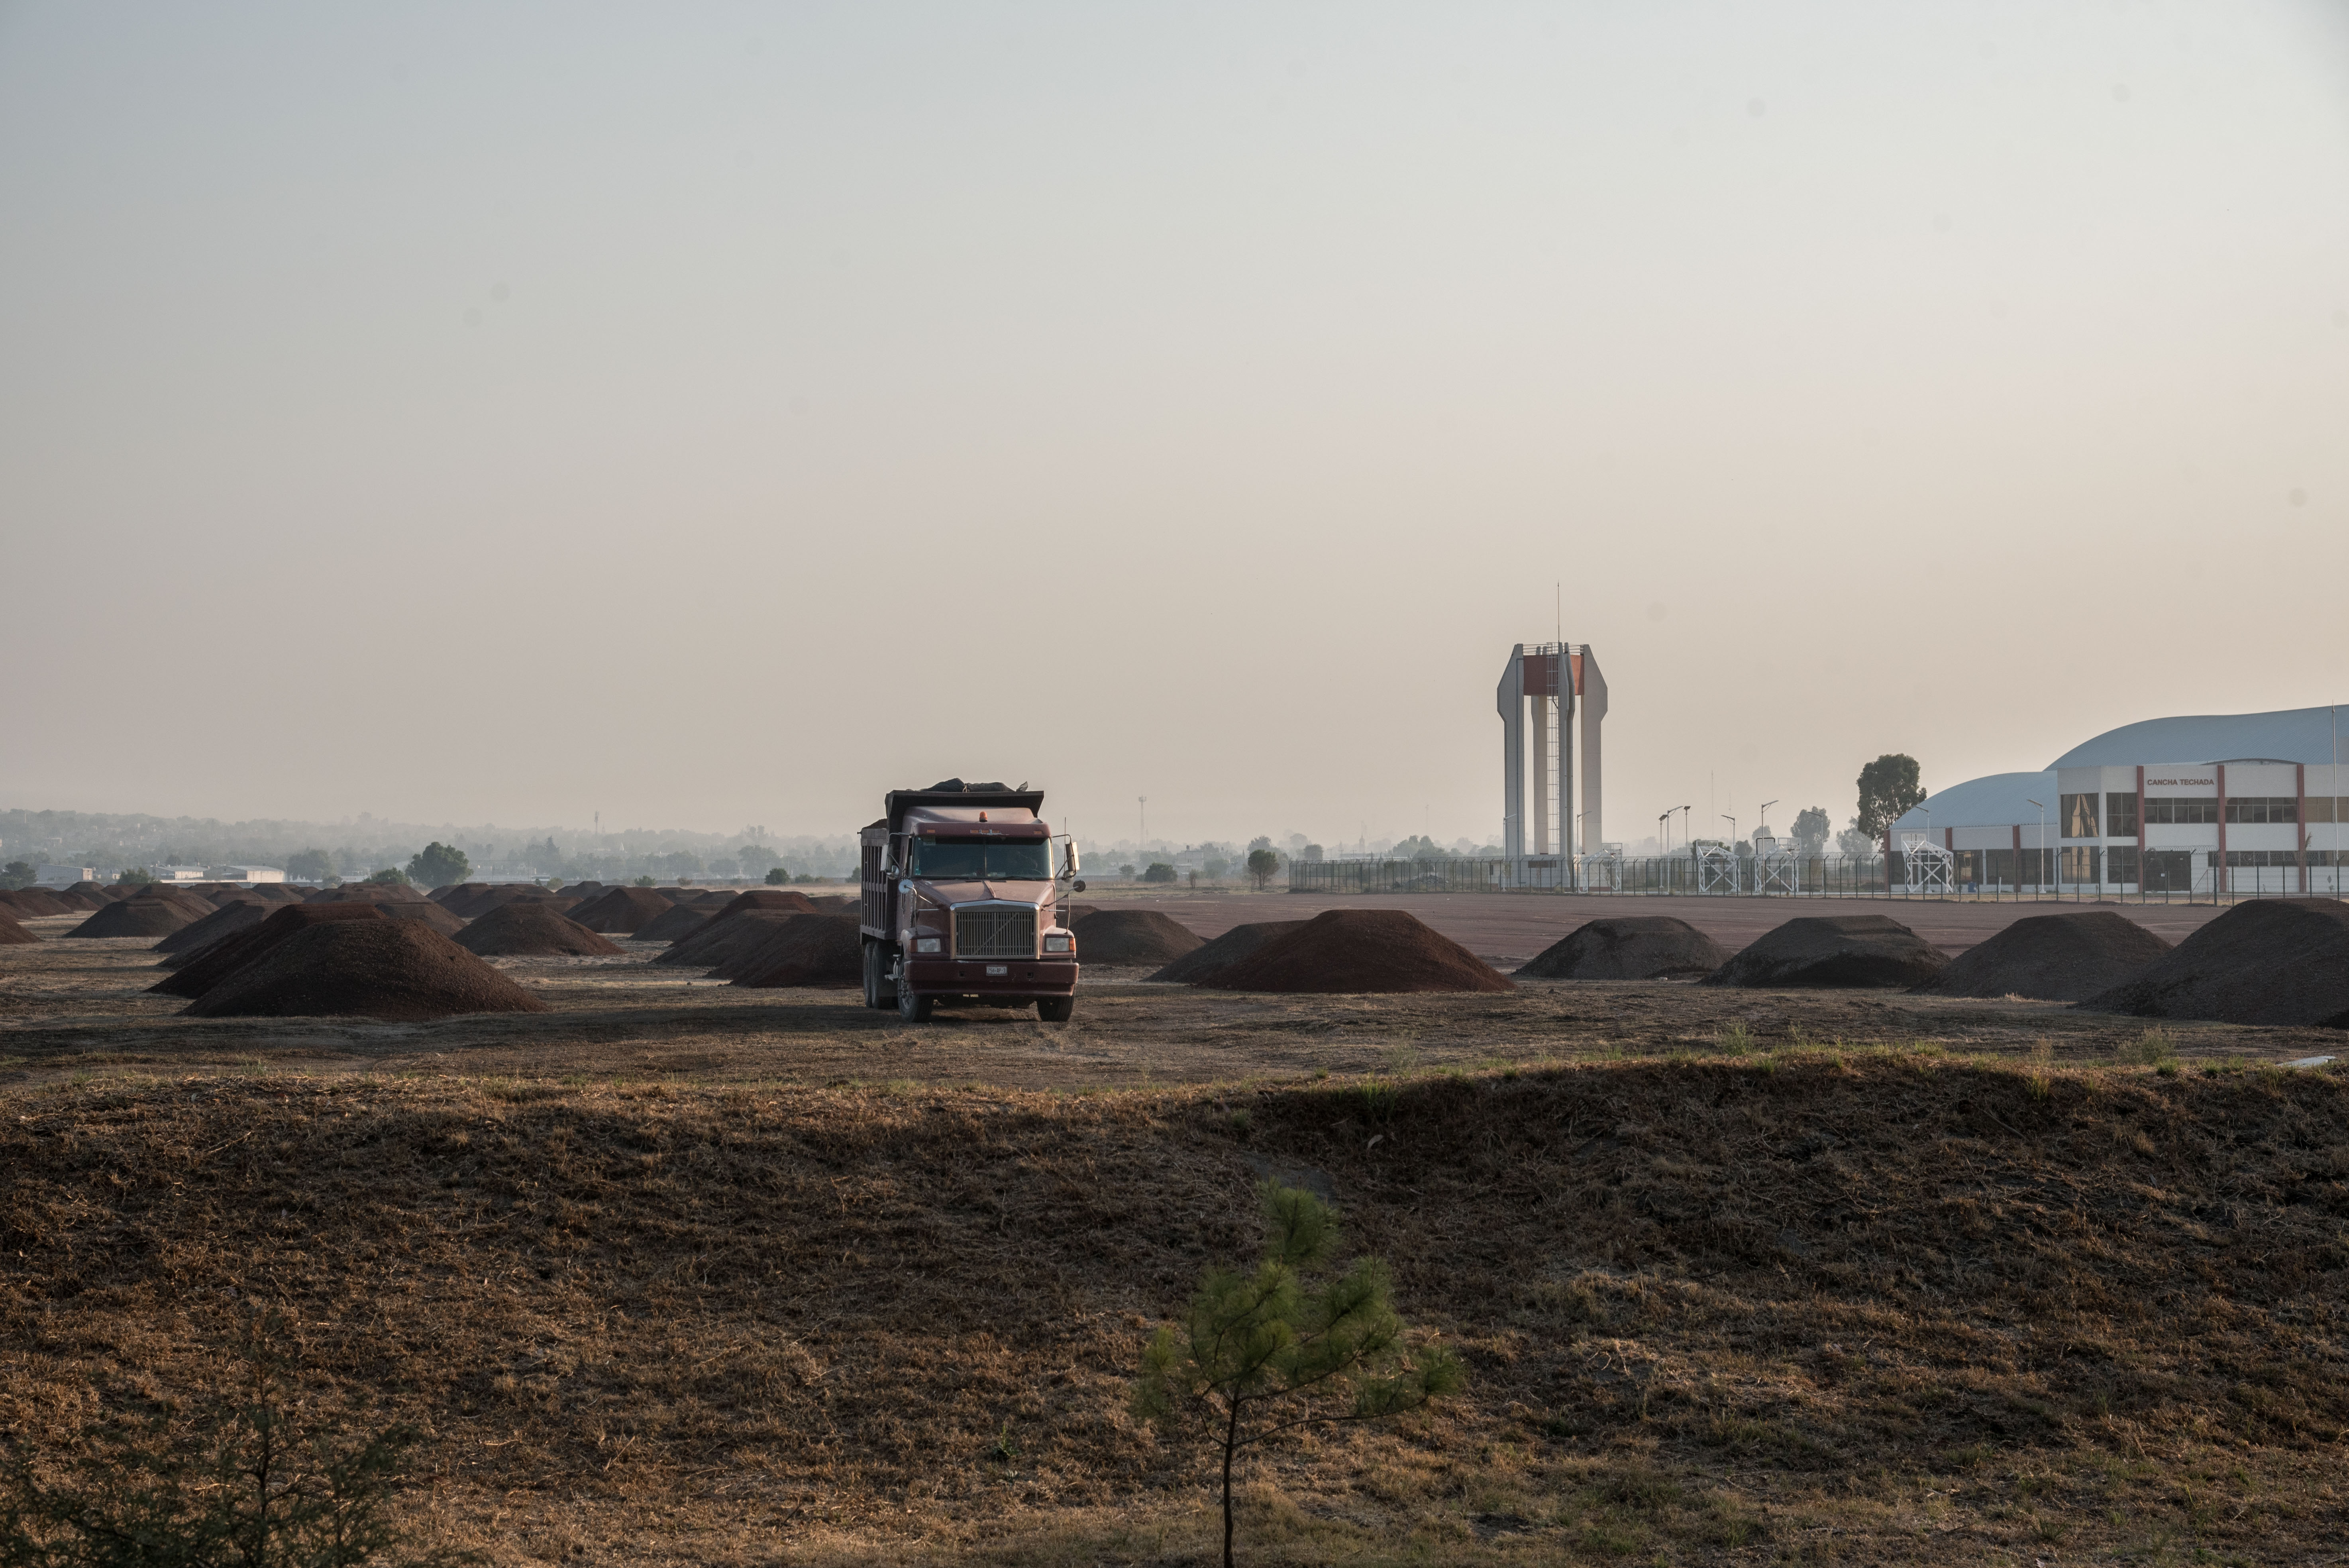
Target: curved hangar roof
{"points": [[2289, 735], [1994, 800]]}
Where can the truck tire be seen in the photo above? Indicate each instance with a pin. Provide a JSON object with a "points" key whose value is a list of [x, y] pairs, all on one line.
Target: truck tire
{"points": [[912, 1008], [880, 991], [1055, 1009]]}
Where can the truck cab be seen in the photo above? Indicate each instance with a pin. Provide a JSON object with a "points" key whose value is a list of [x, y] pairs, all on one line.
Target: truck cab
{"points": [[963, 889]]}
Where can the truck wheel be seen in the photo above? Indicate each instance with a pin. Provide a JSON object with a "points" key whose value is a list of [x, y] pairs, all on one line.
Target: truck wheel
{"points": [[914, 1009], [1055, 1009]]}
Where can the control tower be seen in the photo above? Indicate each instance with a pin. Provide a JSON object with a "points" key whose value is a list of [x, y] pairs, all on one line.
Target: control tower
{"points": [[1542, 689]]}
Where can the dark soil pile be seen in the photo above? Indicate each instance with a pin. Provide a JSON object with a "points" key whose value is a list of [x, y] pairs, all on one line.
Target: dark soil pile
{"points": [[527, 928], [2053, 957], [757, 898], [277, 892], [34, 903], [399, 969], [135, 917], [723, 942], [458, 898], [226, 920], [197, 972], [1133, 936], [93, 892], [1833, 950], [13, 935], [2274, 961], [425, 912], [622, 911], [838, 902], [1196, 966], [1629, 947], [683, 920], [1356, 951], [367, 892], [814, 950]]}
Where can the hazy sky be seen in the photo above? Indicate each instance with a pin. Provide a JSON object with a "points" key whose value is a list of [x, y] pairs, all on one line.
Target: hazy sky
{"points": [[720, 414]]}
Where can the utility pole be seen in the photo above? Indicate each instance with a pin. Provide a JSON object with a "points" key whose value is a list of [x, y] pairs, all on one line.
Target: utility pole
{"points": [[1141, 831]]}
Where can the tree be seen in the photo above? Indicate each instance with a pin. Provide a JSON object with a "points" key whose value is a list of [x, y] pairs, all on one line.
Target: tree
{"points": [[1312, 854], [644, 882], [1811, 830], [437, 865], [543, 859], [309, 865], [1887, 787], [1263, 865], [778, 877], [1854, 843], [1273, 1351], [18, 873], [135, 876], [1158, 872], [387, 874]]}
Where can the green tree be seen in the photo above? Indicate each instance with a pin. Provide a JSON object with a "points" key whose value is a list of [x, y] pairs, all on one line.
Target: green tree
{"points": [[1158, 872], [1263, 865], [1887, 787], [1270, 1352], [1812, 826], [644, 882], [309, 865], [437, 865], [135, 876], [778, 877], [387, 874], [18, 873]]}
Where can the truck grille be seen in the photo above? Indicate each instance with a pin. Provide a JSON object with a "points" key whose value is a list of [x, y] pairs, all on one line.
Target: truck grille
{"points": [[995, 933]]}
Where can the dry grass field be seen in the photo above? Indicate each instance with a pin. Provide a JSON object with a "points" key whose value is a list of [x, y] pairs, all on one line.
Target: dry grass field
{"points": [[686, 1273]]}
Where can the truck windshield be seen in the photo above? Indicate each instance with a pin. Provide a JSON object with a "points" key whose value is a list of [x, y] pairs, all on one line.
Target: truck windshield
{"points": [[983, 859]]}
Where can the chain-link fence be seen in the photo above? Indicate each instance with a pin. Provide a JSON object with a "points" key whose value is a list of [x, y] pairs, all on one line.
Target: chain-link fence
{"points": [[2023, 876]]}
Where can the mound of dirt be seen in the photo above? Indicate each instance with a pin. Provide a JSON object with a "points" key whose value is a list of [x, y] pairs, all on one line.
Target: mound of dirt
{"points": [[1356, 951], [689, 920], [398, 969], [681, 920], [227, 920], [623, 911], [367, 892], [762, 898], [13, 935], [2053, 957], [135, 917], [425, 912], [814, 950], [96, 889], [34, 904], [527, 928], [720, 940], [1833, 950], [1194, 967], [197, 972], [2273, 961], [837, 902], [1629, 947], [1133, 936], [277, 892]]}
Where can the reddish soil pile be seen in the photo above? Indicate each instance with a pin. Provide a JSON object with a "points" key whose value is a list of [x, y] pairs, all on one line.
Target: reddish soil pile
{"points": [[135, 917], [623, 911], [527, 928], [227, 920], [277, 892], [720, 940], [367, 892], [2053, 957], [1629, 947], [1356, 951], [93, 892], [681, 920], [424, 912], [34, 903], [1196, 966], [200, 971], [1833, 950], [399, 969], [814, 950], [2273, 961], [688, 920], [13, 935], [1133, 936]]}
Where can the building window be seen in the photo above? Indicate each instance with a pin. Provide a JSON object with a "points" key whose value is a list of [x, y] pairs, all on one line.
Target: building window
{"points": [[2120, 862], [1999, 871], [2167, 871], [2080, 865], [2168, 809], [2120, 814], [2032, 866], [2320, 810], [2263, 857], [2078, 815], [1967, 871], [2264, 809]]}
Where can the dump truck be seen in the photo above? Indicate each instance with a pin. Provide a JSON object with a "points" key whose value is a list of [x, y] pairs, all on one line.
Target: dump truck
{"points": [[962, 900]]}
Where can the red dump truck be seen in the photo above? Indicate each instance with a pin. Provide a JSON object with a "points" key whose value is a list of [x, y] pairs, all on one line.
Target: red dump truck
{"points": [[962, 900]]}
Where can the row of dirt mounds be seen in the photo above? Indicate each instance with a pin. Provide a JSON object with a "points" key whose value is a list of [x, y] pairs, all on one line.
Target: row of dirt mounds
{"points": [[1630, 948], [1360, 951], [1834, 950], [13, 935], [400, 970], [2274, 961], [232, 916], [367, 892], [1132, 936], [33, 903], [1199, 966], [622, 911], [2065, 957], [529, 928], [721, 934], [809, 950], [681, 920], [197, 972], [148, 917]]}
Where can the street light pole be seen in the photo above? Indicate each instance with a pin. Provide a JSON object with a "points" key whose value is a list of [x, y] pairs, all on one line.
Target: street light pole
{"points": [[2042, 851]]}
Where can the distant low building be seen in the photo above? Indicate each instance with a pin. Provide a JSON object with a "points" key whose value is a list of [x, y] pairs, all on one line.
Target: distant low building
{"points": [[245, 874], [182, 874], [64, 876]]}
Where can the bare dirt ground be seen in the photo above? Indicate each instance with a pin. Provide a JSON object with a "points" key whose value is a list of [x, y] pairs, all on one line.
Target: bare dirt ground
{"points": [[682, 1272]]}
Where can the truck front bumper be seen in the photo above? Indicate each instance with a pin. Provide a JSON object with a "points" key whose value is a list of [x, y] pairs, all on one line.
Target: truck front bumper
{"points": [[991, 978]]}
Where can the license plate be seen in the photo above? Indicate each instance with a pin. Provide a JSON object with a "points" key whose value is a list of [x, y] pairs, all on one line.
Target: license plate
{"points": [[995, 969]]}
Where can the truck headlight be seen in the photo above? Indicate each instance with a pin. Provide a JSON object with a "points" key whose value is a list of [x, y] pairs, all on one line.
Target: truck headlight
{"points": [[929, 945], [1061, 943]]}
